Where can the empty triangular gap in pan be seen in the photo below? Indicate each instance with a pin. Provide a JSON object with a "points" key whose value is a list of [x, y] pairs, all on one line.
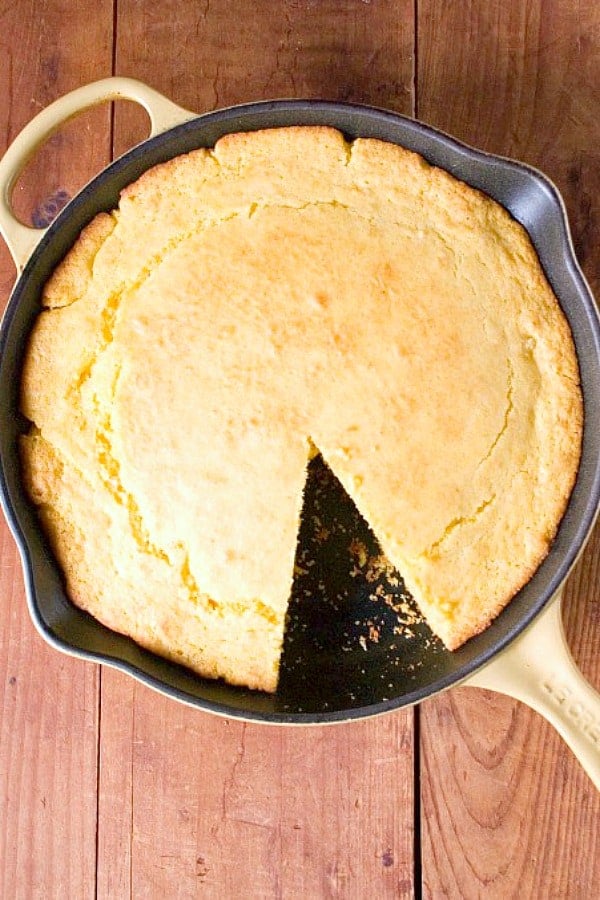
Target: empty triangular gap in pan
{"points": [[354, 635]]}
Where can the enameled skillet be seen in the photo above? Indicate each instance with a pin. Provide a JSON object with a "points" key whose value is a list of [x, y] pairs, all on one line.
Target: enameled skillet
{"points": [[351, 650]]}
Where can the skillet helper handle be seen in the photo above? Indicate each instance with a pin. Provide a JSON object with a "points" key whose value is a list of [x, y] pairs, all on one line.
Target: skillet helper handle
{"points": [[539, 670], [21, 239]]}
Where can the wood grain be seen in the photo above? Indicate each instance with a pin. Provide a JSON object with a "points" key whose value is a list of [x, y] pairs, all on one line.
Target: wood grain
{"points": [[502, 797], [227, 809], [193, 805], [205, 55], [48, 702]]}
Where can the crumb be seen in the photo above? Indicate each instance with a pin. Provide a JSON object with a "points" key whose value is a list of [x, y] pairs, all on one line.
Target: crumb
{"points": [[359, 552]]}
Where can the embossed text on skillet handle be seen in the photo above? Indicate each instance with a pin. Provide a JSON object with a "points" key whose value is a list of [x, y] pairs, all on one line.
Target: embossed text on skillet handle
{"points": [[538, 669]]}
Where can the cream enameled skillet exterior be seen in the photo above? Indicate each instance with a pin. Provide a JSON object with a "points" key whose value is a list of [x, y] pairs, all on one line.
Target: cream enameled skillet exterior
{"points": [[523, 653]]}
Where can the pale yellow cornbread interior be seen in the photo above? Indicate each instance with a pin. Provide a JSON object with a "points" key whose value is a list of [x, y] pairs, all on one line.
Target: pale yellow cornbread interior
{"points": [[289, 289]]}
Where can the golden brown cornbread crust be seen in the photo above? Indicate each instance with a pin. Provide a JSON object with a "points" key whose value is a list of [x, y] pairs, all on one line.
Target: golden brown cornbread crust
{"points": [[283, 289]]}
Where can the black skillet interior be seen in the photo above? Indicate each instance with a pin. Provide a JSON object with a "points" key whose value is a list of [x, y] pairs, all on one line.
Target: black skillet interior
{"points": [[353, 647]]}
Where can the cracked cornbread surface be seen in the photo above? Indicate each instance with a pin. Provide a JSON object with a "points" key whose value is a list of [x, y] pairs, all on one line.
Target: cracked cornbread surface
{"points": [[283, 291]]}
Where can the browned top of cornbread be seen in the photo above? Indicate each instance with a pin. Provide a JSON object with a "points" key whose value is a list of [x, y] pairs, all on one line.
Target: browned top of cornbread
{"points": [[288, 288]]}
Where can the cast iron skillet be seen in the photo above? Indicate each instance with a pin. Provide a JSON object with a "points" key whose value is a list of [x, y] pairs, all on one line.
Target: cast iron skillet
{"points": [[351, 651]]}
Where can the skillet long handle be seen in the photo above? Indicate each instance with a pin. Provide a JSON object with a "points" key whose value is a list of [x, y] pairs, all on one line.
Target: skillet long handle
{"points": [[163, 114], [539, 670]]}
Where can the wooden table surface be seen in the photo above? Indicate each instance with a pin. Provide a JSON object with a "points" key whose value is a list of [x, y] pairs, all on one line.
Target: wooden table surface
{"points": [[108, 789]]}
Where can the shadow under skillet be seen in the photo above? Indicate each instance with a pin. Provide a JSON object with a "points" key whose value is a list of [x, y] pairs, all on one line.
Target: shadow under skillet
{"points": [[354, 636]]}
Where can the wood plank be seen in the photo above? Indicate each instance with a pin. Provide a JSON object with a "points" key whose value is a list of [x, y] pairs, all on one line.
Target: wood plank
{"points": [[115, 785], [217, 806], [506, 810], [48, 702], [244, 810], [48, 745]]}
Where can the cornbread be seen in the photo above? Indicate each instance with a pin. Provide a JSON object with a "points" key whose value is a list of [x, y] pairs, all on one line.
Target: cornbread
{"points": [[244, 305]]}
